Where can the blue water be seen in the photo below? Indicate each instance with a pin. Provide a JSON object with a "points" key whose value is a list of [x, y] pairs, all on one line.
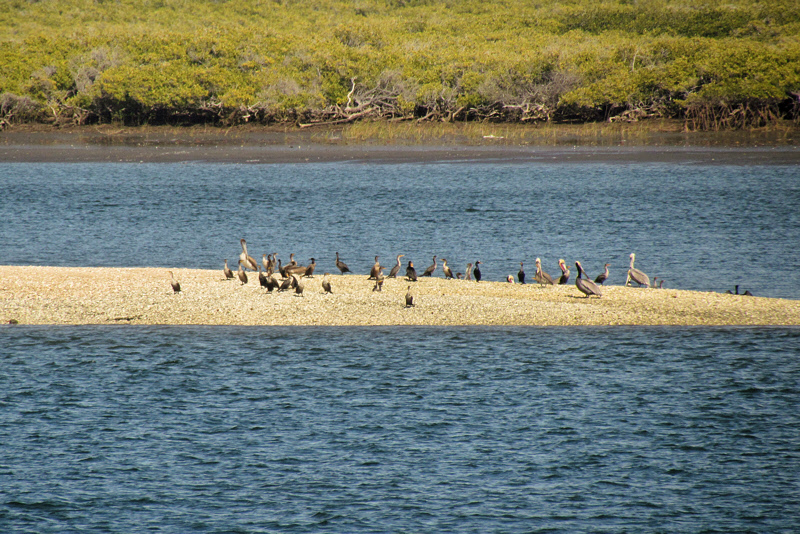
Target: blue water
{"points": [[135, 429], [700, 227]]}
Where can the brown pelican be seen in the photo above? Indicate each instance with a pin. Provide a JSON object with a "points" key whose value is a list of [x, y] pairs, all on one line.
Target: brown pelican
{"points": [[326, 284], [468, 276], [396, 268], [521, 274], [373, 273], [298, 285], [310, 269], [510, 279], [584, 285], [409, 298], [602, 277], [448, 272], [242, 274], [542, 277], [430, 269], [476, 272], [176, 286], [636, 275], [411, 272], [227, 271], [378, 280], [342, 266], [564, 278], [248, 261]]}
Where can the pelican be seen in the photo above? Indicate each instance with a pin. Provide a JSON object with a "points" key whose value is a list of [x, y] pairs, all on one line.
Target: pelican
{"points": [[242, 274], [176, 286], [542, 277], [448, 272], [510, 279], [430, 269], [326, 284], [373, 273], [521, 274], [409, 298], [584, 285], [396, 268], [602, 277], [476, 272], [564, 278], [468, 276], [411, 272], [636, 275], [310, 269], [342, 266], [247, 260], [227, 271]]}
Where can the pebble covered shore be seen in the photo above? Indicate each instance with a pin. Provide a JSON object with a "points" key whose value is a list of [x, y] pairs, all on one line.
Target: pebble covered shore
{"points": [[144, 296]]}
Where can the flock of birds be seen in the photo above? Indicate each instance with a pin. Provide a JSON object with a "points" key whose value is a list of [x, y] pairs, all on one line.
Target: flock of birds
{"points": [[292, 274]]}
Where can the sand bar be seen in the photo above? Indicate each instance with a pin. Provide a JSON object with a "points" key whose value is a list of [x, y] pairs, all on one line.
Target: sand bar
{"points": [[76, 295]]}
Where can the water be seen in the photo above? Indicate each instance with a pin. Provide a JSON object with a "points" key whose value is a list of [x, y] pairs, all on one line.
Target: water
{"points": [[699, 227], [134, 429]]}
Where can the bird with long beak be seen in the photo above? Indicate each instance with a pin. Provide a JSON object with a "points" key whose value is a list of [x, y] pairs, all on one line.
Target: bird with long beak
{"points": [[584, 285], [564, 278], [636, 275]]}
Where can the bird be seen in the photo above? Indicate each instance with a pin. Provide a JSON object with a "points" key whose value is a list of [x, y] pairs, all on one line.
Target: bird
{"points": [[542, 277], [521, 274], [510, 279], [636, 275], [326, 284], [430, 269], [265, 262], [468, 276], [584, 285], [476, 272], [342, 266], [242, 274], [448, 272], [247, 260], [286, 284], [411, 272], [298, 285], [176, 286], [272, 284], [373, 273], [262, 278], [291, 259], [281, 269], [409, 298], [396, 268], [564, 278], [379, 280], [735, 292], [602, 277], [310, 269], [655, 283], [227, 271]]}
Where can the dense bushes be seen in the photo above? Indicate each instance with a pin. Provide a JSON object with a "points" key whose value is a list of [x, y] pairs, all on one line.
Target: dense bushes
{"points": [[182, 61]]}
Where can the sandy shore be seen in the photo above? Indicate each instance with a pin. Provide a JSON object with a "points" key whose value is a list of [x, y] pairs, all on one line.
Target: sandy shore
{"points": [[73, 296]]}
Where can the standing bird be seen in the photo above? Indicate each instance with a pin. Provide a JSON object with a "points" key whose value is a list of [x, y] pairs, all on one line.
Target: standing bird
{"points": [[409, 298], [521, 274], [584, 285], [476, 272], [310, 269], [176, 286], [378, 280], [262, 278], [242, 274], [448, 272], [326, 284], [342, 266], [272, 284], [247, 260], [396, 268], [227, 271], [542, 277], [468, 276], [602, 277], [564, 278], [636, 275], [430, 269], [376, 267], [411, 272], [298, 285], [265, 262], [510, 279]]}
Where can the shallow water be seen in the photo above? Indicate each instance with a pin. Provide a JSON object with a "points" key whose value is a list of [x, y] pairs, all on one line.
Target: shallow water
{"points": [[133, 429], [700, 227]]}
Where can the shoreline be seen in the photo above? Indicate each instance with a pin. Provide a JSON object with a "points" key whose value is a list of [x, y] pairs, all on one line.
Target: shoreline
{"points": [[32, 295]]}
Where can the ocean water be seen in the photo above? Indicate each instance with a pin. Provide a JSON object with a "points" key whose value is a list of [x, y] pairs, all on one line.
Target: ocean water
{"points": [[699, 227], [280, 429], [573, 430]]}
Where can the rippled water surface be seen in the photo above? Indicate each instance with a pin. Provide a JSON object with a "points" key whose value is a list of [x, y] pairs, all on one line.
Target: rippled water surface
{"points": [[131, 429], [704, 227]]}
